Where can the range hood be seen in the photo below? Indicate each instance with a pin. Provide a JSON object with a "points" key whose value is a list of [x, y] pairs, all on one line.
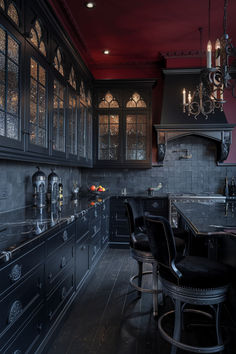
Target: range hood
{"points": [[174, 123]]}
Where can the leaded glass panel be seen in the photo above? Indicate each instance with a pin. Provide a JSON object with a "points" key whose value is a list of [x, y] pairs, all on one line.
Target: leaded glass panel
{"points": [[38, 29], [2, 4], [72, 78], [58, 134], [58, 62], [33, 37], [9, 86], [2, 40], [108, 101], [108, 142], [136, 135], [136, 101], [13, 49], [42, 48], [72, 125], [12, 13], [82, 131], [38, 109]]}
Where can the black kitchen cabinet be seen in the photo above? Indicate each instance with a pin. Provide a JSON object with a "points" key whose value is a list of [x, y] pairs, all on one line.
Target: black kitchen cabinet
{"points": [[39, 284], [43, 86], [119, 227], [123, 123]]}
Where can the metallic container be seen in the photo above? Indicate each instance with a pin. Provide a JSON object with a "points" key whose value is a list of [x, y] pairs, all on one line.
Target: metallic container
{"points": [[39, 188], [53, 181]]}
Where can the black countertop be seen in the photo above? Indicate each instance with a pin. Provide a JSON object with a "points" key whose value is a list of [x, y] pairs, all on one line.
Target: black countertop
{"points": [[20, 226], [209, 218]]}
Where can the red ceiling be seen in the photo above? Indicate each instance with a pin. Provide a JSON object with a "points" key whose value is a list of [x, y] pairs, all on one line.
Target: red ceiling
{"points": [[137, 31]]}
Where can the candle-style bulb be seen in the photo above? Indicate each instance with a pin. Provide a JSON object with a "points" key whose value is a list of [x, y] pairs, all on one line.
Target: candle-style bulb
{"points": [[184, 96], [209, 50], [217, 52], [189, 96]]}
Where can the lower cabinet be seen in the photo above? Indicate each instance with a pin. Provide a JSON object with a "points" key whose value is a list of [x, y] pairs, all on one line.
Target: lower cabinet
{"points": [[119, 228], [38, 286]]}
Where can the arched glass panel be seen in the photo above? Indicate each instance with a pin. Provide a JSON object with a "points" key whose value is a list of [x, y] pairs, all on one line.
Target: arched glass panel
{"points": [[108, 101], [36, 37], [136, 101], [12, 13], [42, 49], [72, 78], [89, 99], [82, 94], [33, 37], [2, 4], [58, 62]]}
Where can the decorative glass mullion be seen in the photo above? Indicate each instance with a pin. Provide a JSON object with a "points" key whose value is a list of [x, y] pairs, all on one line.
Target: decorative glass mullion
{"points": [[109, 137], [37, 108]]}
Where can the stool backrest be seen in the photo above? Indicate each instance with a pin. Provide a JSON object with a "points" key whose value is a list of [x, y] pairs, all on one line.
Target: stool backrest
{"points": [[135, 215], [162, 244]]}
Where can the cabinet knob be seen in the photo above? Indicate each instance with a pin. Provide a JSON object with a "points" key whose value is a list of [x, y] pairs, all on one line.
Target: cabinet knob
{"points": [[83, 248], [63, 293], [40, 327], [15, 273], [15, 311], [63, 262], [50, 314], [65, 236], [50, 276]]}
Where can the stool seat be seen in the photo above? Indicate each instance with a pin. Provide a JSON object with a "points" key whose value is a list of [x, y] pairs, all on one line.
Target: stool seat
{"points": [[200, 272]]}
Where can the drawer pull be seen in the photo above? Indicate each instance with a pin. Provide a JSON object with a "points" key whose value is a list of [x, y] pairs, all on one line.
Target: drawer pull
{"points": [[95, 214], [50, 315], [63, 262], [17, 351], [63, 293], [95, 229], [15, 311], [83, 248], [40, 327], [15, 273], [65, 236], [50, 276], [40, 285]]}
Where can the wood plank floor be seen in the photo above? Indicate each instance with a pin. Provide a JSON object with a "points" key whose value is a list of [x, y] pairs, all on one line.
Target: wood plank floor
{"points": [[109, 318]]}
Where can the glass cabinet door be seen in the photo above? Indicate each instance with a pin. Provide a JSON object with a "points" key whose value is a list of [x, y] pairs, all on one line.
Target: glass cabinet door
{"points": [[38, 111], [82, 132], [136, 137], [58, 131], [10, 121], [108, 137], [72, 122]]}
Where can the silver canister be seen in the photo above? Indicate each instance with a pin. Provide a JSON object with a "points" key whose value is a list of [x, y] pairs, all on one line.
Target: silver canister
{"points": [[39, 188], [53, 181]]}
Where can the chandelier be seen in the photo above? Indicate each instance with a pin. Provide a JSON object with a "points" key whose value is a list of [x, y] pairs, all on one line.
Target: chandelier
{"points": [[209, 94]]}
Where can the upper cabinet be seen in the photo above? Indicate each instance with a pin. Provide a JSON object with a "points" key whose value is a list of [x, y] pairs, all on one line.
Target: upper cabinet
{"points": [[45, 89], [123, 123]]}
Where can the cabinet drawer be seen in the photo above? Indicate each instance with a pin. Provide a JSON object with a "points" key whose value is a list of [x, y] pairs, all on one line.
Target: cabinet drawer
{"points": [[29, 337], [95, 213], [13, 273], [95, 228], [20, 302], [59, 297], [57, 263], [82, 226], [60, 238], [82, 259], [94, 250]]}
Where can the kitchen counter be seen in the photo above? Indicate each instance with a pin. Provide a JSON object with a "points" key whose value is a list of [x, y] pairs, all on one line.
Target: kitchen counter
{"points": [[211, 218], [23, 226]]}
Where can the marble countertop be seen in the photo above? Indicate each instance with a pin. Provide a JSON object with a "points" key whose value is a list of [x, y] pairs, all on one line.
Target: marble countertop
{"points": [[23, 225], [209, 218]]}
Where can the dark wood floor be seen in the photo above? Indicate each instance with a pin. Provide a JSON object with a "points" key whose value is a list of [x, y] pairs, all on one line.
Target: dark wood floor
{"points": [[109, 318]]}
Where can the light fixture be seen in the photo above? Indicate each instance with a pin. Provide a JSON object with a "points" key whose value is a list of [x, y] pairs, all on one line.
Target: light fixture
{"points": [[209, 95], [90, 4], [106, 51]]}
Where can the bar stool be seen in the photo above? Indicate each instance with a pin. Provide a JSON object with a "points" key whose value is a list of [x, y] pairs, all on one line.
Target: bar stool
{"points": [[187, 280], [141, 252]]}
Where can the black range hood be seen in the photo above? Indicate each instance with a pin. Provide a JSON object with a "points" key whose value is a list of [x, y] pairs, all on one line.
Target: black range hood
{"points": [[174, 123]]}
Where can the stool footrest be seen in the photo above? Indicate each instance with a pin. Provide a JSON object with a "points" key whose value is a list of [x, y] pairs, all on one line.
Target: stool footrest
{"points": [[150, 291], [183, 346]]}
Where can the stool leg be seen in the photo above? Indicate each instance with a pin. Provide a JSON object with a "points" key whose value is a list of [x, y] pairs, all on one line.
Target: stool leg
{"points": [[155, 289], [178, 322], [218, 329], [140, 274]]}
